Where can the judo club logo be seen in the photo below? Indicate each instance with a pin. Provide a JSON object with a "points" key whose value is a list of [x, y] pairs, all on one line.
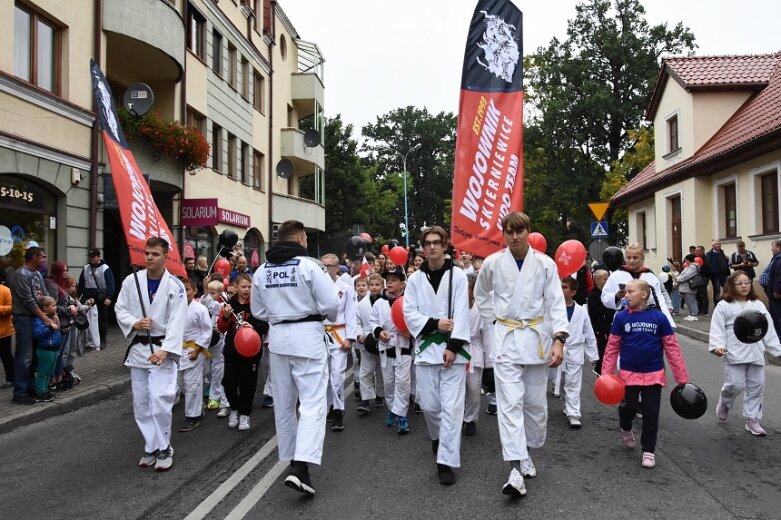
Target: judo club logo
{"points": [[500, 48], [627, 327]]}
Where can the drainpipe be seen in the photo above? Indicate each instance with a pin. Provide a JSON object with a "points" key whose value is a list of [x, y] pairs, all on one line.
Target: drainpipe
{"points": [[95, 141], [183, 77], [271, 125]]}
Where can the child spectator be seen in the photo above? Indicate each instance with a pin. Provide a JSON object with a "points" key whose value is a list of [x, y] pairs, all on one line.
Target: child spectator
{"points": [[744, 363], [47, 347], [642, 336]]}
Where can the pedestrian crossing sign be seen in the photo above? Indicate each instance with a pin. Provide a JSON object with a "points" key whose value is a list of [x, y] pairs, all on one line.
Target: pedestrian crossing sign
{"points": [[599, 229]]}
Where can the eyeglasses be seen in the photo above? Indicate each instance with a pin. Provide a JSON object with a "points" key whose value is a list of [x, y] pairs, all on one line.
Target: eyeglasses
{"points": [[741, 283], [432, 243]]}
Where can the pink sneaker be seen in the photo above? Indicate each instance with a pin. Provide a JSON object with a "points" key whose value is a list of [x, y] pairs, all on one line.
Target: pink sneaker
{"points": [[629, 439], [754, 428], [721, 410], [649, 460]]}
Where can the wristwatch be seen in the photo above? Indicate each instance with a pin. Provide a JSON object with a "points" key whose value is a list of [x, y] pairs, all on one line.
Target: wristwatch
{"points": [[560, 337]]}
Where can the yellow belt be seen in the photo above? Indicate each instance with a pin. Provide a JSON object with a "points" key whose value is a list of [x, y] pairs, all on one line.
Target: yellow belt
{"points": [[194, 346], [332, 329], [522, 324]]}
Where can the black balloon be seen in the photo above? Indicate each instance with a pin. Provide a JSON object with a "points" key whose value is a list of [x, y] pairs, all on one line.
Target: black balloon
{"points": [[689, 401], [392, 243], [367, 244], [613, 258], [355, 247], [226, 241], [750, 326]]}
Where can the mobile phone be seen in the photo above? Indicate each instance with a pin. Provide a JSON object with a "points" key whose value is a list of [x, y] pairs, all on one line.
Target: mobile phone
{"points": [[621, 286]]}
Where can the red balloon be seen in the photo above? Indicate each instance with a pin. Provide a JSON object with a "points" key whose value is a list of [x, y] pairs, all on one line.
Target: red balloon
{"points": [[538, 242], [384, 250], [247, 342], [225, 283], [399, 255], [570, 257], [223, 267], [397, 314], [609, 389], [366, 236]]}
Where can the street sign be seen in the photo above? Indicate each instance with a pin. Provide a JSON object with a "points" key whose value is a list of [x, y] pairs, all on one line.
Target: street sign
{"points": [[599, 229], [598, 209]]}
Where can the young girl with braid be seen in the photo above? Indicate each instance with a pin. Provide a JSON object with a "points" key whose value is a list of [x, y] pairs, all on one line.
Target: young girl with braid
{"points": [[641, 334]]}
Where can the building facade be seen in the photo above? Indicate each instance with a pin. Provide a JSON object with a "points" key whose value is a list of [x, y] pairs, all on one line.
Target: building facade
{"points": [[237, 71]]}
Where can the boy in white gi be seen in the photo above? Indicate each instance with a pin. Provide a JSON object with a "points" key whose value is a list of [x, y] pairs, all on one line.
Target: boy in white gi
{"points": [[294, 294], [342, 332], [581, 343], [370, 377], [436, 310], [197, 335], [519, 289], [395, 352], [479, 337], [213, 300], [154, 324]]}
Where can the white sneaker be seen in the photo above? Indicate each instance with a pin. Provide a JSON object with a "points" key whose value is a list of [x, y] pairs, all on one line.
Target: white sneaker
{"points": [[527, 468], [691, 318], [574, 422], [224, 411], [721, 410], [148, 460], [233, 419], [244, 423], [165, 459], [514, 485]]}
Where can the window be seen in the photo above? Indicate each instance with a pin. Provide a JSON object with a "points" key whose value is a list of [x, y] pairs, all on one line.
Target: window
{"points": [[283, 47], [259, 92], [245, 77], [642, 236], [258, 8], [196, 120], [233, 64], [672, 134], [36, 50], [231, 156], [196, 29], [258, 165], [730, 212], [769, 187], [291, 117], [217, 53], [244, 170], [216, 147]]}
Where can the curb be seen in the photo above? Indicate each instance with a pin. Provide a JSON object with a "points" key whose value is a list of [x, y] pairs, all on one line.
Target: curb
{"points": [[35, 413], [689, 332]]}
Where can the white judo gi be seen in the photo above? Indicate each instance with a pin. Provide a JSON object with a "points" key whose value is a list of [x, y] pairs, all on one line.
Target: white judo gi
{"points": [[395, 368], [581, 344], [622, 277], [528, 307], [370, 375], [744, 363], [215, 365], [440, 391], [342, 327], [284, 294], [154, 386], [479, 338], [197, 333]]}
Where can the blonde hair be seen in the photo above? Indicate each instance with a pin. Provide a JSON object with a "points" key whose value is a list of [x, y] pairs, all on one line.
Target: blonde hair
{"points": [[600, 274], [634, 246], [216, 286], [643, 286], [46, 300], [375, 277]]}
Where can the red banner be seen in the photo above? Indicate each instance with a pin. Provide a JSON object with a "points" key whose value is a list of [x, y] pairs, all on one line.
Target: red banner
{"points": [[488, 177], [141, 219]]}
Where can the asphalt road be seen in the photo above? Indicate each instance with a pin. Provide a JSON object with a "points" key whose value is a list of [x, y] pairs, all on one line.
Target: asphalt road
{"points": [[83, 465]]}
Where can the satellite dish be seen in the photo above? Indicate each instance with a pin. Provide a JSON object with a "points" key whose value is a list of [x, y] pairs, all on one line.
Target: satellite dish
{"points": [[138, 99], [311, 138], [285, 168]]}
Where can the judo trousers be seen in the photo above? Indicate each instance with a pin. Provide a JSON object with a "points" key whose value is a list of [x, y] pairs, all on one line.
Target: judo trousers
{"points": [[472, 401], [441, 392], [153, 399], [522, 408], [370, 377], [300, 437], [572, 380], [396, 378], [217, 367], [337, 360], [748, 377], [190, 381]]}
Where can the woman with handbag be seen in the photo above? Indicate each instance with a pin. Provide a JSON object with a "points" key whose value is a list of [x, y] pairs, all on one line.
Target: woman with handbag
{"points": [[688, 277]]}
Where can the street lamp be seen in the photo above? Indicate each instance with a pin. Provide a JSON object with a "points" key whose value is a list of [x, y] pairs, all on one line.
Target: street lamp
{"points": [[406, 215]]}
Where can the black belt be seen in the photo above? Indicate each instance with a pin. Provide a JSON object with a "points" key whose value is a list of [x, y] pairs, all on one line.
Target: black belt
{"points": [[311, 317], [391, 352], [143, 339]]}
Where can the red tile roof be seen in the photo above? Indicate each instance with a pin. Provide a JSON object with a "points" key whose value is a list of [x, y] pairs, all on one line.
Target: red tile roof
{"points": [[757, 119]]}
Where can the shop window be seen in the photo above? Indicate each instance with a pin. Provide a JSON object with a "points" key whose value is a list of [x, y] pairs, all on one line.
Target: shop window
{"points": [[29, 212]]}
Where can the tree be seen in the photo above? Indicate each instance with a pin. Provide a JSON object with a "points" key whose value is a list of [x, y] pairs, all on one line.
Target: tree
{"points": [[430, 169], [584, 95]]}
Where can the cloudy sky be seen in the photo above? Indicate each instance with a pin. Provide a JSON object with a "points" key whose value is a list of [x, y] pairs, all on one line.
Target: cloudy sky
{"points": [[385, 54]]}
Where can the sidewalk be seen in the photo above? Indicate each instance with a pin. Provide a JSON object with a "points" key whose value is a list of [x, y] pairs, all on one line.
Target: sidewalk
{"points": [[103, 375]]}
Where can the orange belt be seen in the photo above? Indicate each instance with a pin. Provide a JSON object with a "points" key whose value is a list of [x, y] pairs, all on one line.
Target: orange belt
{"points": [[332, 329]]}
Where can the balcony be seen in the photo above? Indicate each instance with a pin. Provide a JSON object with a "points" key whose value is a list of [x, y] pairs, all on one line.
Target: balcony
{"points": [[145, 38], [304, 158], [308, 93], [286, 207]]}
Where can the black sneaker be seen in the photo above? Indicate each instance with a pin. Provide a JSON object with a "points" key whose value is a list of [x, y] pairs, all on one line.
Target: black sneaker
{"points": [[189, 425], [435, 446], [446, 475], [416, 408], [338, 423], [363, 407], [23, 399], [491, 410], [268, 402], [48, 397], [330, 416], [470, 428], [379, 402], [298, 478]]}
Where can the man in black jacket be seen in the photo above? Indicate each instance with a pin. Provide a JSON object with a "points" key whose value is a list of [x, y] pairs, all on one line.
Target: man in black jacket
{"points": [[719, 269], [705, 270], [97, 283]]}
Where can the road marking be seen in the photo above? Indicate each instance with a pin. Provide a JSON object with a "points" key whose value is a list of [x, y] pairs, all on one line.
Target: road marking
{"points": [[257, 492]]}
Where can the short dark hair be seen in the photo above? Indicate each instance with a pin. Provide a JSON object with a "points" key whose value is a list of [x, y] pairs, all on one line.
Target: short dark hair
{"points": [[437, 230], [571, 282], [189, 281], [289, 229], [93, 252], [516, 221], [158, 242], [31, 253]]}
